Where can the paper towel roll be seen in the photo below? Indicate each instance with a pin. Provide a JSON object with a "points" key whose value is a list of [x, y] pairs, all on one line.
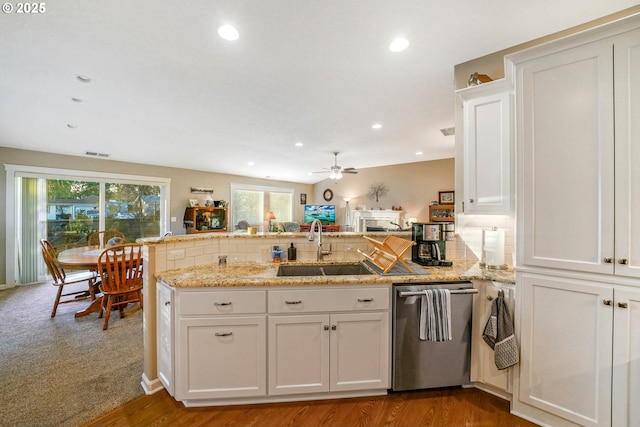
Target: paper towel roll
{"points": [[493, 248]]}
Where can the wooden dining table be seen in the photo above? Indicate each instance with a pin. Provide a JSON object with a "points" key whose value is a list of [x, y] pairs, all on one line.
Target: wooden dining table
{"points": [[83, 258]]}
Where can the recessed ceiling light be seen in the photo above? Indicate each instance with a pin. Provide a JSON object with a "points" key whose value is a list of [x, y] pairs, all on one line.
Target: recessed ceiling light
{"points": [[83, 79], [252, 163], [74, 99], [376, 126], [448, 131], [72, 125], [399, 44], [299, 144], [419, 153], [228, 33]]}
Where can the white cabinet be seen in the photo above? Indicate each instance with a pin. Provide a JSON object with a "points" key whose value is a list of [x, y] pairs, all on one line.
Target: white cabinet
{"points": [[579, 147], [220, 344], [331, 348], [164, 325], [488, 153], [578, 227], [484, 372], [580, 355], [221, 357], [566, 350]]}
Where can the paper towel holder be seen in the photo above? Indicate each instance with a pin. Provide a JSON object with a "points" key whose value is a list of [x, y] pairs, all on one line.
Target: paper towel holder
{"points": [[493, 249]]}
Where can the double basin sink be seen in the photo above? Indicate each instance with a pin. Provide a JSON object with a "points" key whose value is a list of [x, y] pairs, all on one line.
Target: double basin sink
{"points": [[323, 270]]}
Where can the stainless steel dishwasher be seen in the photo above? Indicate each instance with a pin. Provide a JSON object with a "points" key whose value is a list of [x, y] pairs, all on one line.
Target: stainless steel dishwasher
{"points": [[418, 364]]}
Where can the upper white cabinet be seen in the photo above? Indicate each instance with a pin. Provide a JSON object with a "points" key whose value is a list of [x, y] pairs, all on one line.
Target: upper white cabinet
{"points": [[579, 148], [488, 153]]}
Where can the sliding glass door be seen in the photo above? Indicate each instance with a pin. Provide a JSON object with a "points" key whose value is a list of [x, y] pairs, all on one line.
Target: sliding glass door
{"points": [[65, 210]]}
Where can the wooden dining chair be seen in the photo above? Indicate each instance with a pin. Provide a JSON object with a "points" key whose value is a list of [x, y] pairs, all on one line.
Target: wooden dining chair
{"points": [[62, 279], [120, 269], [100, 238]]}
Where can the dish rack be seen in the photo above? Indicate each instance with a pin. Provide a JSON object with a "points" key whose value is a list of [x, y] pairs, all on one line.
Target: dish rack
{"points": [[387, 253]]}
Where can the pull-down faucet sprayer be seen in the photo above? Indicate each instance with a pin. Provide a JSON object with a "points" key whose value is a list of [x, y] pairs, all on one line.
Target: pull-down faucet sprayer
{"points": [[321, 252]]}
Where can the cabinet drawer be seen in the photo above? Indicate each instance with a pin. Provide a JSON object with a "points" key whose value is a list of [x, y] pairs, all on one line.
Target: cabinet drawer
{"points": [[222, 302], [321, 300]]}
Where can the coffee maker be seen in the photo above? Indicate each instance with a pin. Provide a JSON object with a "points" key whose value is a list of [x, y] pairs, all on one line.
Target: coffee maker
{"points": [[430, 244]]}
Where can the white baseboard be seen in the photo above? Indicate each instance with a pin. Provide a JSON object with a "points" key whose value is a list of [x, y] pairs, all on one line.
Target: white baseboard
{"points": [[151, 387]]}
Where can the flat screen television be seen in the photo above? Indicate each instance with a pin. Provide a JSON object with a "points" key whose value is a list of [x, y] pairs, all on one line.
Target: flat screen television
{"points": [[325, 213]]}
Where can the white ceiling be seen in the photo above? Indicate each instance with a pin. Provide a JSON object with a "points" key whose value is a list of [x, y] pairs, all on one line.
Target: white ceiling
{"points": [[166, 90]]}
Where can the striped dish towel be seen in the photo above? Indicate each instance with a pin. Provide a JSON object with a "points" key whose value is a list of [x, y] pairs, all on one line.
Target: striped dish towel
{"points": [[435, 315]]}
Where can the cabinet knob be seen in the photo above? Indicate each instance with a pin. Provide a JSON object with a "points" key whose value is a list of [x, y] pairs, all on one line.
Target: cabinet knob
{"points": [[472, 200], [489, 297], [167, 303], [608, 260], [334, 327], [623, 261], [326, 327], [223, 334], [622, 305], [607, 302]]}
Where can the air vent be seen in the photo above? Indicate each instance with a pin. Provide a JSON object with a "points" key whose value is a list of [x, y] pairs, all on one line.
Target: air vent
{"points": [[94, 154], [448, 131]]}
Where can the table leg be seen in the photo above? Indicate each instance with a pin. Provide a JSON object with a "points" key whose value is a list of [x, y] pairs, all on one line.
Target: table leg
{"points": [[93, 307]]}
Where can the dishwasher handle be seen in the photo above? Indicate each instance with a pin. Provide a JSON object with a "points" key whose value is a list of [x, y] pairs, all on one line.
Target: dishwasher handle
{"points": [[454, 291]]}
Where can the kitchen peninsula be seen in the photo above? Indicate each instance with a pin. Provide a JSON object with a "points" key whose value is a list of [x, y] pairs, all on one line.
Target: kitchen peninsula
{"points": [[237, 333]]}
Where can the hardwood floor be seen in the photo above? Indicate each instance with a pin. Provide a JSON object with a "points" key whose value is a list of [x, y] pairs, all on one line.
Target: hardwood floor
{"points": [[450, 407]]}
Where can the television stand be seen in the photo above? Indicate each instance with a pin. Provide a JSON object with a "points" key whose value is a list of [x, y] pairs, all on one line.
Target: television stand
{"points": [[325, 228]]}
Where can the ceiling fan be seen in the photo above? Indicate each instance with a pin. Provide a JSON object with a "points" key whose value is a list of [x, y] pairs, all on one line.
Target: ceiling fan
{"points": [[335, 171]]}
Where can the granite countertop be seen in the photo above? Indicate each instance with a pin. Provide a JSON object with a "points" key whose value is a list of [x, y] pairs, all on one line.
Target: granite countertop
{"points": [[264, 274]]}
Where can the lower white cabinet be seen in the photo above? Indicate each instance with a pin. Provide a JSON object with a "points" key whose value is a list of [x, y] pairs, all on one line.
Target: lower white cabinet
{"points": [[221, 357], [580, 352], [484, 372], [328, 352], [217, 345]]}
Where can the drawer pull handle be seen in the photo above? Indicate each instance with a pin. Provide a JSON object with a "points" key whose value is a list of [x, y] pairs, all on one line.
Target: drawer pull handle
{"points": [[224, 334], [622, 305], [293, 302], [222, 303], [365, 299]]}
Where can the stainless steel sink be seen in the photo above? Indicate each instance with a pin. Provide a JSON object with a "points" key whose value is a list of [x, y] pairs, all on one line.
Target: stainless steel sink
{"points": [[322, 270]]}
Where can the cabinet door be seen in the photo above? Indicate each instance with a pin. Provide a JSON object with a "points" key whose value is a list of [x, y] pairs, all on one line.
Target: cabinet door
{"points": [[488, 140], [566, 338], [164, 326], [359, 351], [627, 100], [626, 358], [298, 354], [565, 129], [221, 357], [483, 366]]}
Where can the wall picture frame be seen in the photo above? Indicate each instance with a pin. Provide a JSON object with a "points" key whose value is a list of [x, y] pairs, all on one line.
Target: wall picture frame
{"points": [[194, 203], [446, 197], [303, 198]]}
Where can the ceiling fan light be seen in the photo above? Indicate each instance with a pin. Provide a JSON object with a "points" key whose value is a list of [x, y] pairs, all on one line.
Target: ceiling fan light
{"points": [[332, 175], [338, 175]]}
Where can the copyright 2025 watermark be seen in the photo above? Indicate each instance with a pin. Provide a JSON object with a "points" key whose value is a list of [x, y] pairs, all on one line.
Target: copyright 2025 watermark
{"points": [[24, 8]]}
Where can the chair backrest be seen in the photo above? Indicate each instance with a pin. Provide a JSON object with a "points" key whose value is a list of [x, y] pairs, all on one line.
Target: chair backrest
{"points": [[100, 238], [51, 260], [120, 267]]}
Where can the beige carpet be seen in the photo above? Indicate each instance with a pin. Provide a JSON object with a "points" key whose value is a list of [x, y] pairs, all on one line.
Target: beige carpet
{"points": [[64, 371]]}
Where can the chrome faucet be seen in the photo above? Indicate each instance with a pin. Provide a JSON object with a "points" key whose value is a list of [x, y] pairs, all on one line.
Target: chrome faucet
{"points": [[321, 252]]}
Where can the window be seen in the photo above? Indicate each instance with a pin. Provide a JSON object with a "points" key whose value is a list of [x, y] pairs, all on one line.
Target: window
{"points": [[65, 206], [252, 203]]}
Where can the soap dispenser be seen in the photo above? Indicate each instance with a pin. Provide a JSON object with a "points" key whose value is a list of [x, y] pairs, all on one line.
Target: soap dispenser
{"points": [[291, 253]]}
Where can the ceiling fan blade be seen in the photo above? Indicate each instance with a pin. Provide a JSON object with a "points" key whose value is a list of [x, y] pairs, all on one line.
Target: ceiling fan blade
{"points": [[321, 172], [350, 170]]}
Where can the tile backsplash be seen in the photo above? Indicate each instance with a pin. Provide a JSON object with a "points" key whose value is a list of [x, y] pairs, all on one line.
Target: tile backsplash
{"points": [[469, 235]]}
